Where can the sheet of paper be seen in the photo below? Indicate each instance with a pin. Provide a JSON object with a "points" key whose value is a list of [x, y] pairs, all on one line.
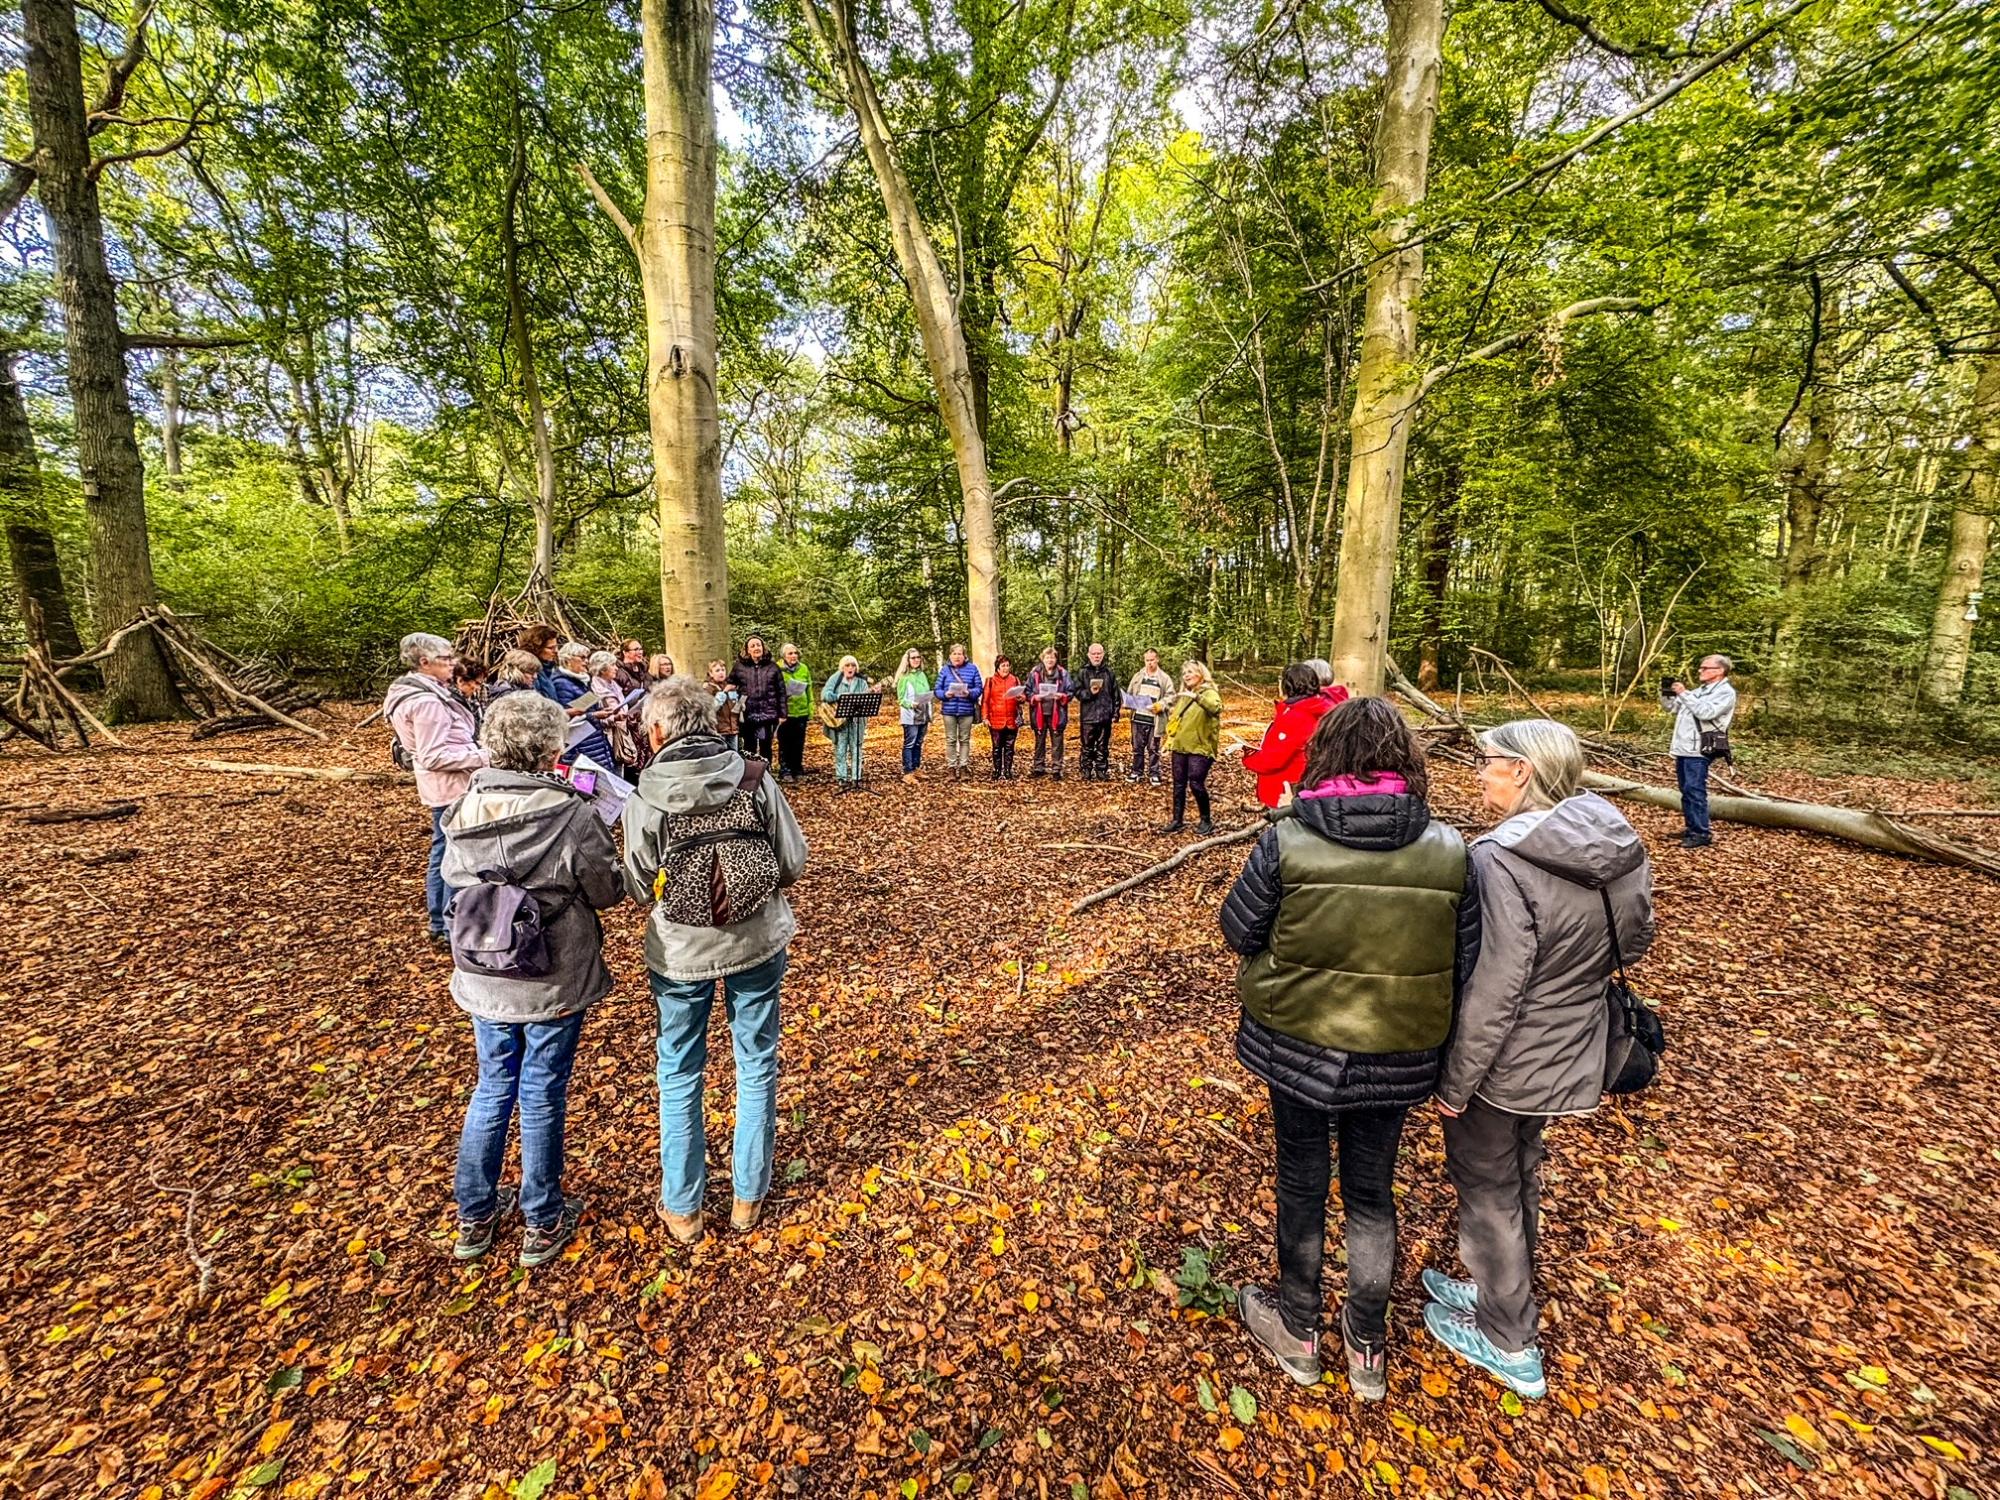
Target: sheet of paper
{"points": [[1019, 690], [612, 792]]}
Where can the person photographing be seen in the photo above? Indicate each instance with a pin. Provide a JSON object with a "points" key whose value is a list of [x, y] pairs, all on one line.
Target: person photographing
{"points": [[1702, 716]]}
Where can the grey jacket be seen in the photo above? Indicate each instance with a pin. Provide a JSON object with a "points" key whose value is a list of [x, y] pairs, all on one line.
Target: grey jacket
{"points": [[1532, 1021], [534, 832], [693, 775], [1710, 706]]}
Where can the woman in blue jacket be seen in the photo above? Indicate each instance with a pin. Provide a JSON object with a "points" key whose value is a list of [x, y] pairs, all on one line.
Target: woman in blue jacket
{"points": [[957, 692]]}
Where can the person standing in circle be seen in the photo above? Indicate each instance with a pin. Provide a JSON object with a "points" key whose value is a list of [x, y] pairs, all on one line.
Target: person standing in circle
{"points": [[796, 681]]}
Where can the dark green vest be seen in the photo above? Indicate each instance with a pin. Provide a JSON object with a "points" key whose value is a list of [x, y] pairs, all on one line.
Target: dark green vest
{"points": [[1361, 954]]}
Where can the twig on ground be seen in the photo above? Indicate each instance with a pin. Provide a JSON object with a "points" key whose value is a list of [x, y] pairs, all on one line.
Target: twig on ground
{"points": [[1171, 863], [1233, 1138], [204, 1264]]}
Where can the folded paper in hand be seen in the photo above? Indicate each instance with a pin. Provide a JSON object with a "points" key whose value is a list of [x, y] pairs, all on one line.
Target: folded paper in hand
{"points": [[611, 792]]}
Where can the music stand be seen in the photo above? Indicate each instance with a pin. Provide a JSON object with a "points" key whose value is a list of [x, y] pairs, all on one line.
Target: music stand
{"points": [[859, 706]]}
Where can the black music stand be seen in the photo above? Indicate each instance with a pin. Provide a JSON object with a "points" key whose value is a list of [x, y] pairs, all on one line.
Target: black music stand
{"points": [[859, 706]]}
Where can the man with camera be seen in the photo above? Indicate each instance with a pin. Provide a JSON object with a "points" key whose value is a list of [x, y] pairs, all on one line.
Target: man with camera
{"points": [[1702, 716]]}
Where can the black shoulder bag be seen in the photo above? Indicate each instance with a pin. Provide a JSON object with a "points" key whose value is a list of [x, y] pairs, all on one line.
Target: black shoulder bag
{"points": [[1637, 1039]]}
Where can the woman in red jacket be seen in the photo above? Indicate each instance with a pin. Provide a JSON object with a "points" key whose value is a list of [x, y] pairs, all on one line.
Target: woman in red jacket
{"points": [[1281, 759]]}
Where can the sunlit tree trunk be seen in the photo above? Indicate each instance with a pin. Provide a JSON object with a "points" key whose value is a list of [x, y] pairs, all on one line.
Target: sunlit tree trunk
{"points": [[31, 550], [1971, 531], [543, 568], [171, 414], [1385, 388], [137, 681], [676, 245], [937, 321]]}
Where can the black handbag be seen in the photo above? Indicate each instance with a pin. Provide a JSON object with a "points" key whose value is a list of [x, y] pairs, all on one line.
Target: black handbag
{"points": [[1637, 1039], [1715, 744]]}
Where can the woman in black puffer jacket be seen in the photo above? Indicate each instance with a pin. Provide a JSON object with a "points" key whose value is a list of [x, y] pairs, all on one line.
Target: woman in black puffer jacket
{"points": [[1357, 920], [761, 682]]}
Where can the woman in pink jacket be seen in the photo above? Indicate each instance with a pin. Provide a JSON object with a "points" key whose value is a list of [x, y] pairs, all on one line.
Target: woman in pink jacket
{"points": [[436, 730]]}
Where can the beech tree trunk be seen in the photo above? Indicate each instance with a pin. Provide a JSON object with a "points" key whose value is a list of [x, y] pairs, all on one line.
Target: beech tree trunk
{"points": [[1440, 538], [676, 248], [1808, 488], [31, 550], [137, 681], [1385, 393], [1971, 530], [171, 414], [937, 321], [543, 567]]}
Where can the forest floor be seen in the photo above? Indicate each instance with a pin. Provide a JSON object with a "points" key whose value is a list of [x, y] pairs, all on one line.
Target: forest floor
{"points": [[231, 1084]]}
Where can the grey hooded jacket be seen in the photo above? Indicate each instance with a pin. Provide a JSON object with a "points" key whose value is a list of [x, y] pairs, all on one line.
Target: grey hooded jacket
{"points": [[1709, 706], [534, 832], [1532, 1022], [696, 774]]}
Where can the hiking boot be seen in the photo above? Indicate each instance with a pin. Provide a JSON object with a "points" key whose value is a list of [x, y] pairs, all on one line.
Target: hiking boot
{"points": [[1204, 827], [685, 1228], [1174, 827], [475, 1236], [1696, 840], [1459, 1296], [1367, 1368], [542, 1243], [743, 1215], [441, 941], [1297, 1357], [1521, 1373]]}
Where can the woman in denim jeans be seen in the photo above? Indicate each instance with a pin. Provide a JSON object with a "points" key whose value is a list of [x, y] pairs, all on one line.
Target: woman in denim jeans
{"points": [[913, 700], [698, 777], [520, 822]]}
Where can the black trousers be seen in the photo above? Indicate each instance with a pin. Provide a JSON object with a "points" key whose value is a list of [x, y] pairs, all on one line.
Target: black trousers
{"points": [[1367, 1141], [1191, 775], [754, 738], [1003, 750], [1145, 746], [1095, 752], [792, 744]]}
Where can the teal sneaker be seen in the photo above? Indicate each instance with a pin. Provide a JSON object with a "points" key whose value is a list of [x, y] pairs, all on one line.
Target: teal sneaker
{"points": [[1459, 1296], [1520, 1373], [543, 1243], [475, 1236]]}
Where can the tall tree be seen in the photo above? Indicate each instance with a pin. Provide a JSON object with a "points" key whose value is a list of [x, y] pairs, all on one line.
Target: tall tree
{"points": [[938, 320], [1386, 384], [31, 549], [1945, 662], [675, 245], [138, 683]]}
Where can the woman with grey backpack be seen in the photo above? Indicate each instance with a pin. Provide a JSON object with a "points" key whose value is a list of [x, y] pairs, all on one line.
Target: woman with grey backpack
{"points": [[1566, 893], [531, 864], [711, 845]]}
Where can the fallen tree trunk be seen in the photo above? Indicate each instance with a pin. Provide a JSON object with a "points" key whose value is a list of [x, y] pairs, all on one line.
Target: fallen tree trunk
{"points": [[1872, 830]]}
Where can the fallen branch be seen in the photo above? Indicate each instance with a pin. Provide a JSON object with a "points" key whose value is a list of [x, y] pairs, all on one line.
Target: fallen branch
{"points": [[203, 1264], [316, 773], [1171, 863], [1872, 830], [170, 631], [82, 814]]}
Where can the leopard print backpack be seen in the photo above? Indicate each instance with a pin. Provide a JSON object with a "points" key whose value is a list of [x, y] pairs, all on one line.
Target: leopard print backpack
{"points": [[718, 867]]}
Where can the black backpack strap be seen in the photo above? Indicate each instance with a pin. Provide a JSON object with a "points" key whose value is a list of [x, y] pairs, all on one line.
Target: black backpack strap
{"points": [[1611, 926]]}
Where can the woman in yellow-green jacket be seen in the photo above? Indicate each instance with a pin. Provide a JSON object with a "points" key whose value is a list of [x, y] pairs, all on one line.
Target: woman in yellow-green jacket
{"points": [[1194, 736]]}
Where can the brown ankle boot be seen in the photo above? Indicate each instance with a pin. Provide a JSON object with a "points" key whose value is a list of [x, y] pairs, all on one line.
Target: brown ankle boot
{"points": [[744, 1216], [685, 1228]]}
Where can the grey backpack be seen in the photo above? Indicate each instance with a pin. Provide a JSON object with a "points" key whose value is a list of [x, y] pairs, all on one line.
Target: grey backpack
{"points": [[501, 930]]}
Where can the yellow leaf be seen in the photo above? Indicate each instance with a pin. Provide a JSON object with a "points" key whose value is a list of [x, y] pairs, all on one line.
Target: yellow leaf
{"points": [[1597, 1479], [356, 1245], [1436, 1383], [274, 1436], [1803, 1430], [1670, 1225], [1943, 1447], [278, 1294], [999, 1240], [1386, 1472], [1230, 1439], [717, 1484], [1864, 1428], [870, 1383]]}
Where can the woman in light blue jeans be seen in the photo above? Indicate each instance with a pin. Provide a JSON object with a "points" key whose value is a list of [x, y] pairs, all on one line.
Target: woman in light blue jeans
{"points": [[699, 800]]}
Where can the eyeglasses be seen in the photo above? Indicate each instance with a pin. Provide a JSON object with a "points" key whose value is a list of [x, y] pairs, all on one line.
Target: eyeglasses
{"points": [[1484, 758]]}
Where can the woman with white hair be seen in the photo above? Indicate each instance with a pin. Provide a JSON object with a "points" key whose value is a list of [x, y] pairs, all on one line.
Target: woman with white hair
{"points": [[1563, 883], [711, 845], [570, 683], [436, 731], [526, 835], [848, 734]]}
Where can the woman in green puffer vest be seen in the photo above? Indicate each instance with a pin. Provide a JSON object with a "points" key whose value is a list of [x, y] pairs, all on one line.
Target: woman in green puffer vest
{"points": [[1194, 735], [1357, 919], [796, 683]]}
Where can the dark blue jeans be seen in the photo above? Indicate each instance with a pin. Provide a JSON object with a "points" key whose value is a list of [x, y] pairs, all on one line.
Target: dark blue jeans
{"points": [[1367, 1141], [437, 895], [913, 746], [529, 1065], [1693, 773]]}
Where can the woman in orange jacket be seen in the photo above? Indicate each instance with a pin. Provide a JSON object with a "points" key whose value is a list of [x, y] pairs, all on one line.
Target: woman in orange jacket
{"points": [[1002, 713]]}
